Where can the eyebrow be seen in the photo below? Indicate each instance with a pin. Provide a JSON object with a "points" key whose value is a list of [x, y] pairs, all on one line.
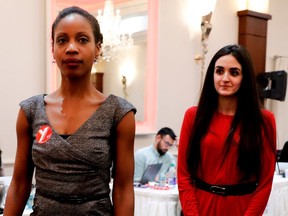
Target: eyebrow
{"points": [[83, 33], [234, 68], [77, 34]]}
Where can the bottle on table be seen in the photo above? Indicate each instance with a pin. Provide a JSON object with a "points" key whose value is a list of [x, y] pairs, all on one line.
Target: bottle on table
{"points": [[171, 175], [162, 179]]}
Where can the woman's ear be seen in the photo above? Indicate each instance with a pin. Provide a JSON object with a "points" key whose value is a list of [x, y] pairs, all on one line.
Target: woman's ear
{"points": [[52, 46], [53, 61], [98, 50], [53, 51]]}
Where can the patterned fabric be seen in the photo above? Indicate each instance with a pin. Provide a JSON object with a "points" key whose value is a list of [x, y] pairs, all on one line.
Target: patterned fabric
{"points": [[73, 174]]}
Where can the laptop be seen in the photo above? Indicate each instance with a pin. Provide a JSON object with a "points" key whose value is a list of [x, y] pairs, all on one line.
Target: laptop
{"points": [[150, 173]]}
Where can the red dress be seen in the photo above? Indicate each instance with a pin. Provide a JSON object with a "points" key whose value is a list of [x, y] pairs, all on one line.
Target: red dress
{"points": [[195, 201]]}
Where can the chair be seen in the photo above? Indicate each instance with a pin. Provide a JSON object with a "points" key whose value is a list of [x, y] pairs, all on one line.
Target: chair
{"points": [[284, 153]]}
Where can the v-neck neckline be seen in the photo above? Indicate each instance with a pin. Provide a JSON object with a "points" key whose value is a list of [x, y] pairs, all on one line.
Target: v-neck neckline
{"points": [[82, 125]]}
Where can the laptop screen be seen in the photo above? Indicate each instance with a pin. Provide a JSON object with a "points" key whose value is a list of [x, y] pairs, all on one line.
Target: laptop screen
{"points": [[150, 173]]}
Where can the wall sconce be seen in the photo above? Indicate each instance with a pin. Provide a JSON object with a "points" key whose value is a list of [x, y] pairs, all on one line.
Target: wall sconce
{"points": [[206, 28], [127, 70], [124, 86]]}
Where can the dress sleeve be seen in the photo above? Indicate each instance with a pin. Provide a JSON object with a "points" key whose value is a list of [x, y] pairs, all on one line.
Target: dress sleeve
{"points": [[30, 105], [186, 188], [261, 195]]}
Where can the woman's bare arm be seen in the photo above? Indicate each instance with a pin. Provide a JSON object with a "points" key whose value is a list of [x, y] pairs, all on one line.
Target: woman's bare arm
{"points": [[20, 186], [123, 190]]}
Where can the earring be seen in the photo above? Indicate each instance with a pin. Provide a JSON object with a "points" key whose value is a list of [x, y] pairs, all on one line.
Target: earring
{"points": [[53, 62]]}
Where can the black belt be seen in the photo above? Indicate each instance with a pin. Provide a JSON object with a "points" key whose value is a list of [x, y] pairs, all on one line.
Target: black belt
{"points": [[227, 190], [72, 199]]}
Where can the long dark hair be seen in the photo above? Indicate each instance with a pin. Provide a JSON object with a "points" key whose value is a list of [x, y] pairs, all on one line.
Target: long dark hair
{"points": [[248, 117]]}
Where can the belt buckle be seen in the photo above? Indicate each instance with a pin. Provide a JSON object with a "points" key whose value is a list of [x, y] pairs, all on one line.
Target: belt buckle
{"points": [[218, 190]]}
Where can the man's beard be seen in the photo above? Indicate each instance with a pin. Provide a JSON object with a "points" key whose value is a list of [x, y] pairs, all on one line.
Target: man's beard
{"points": [[159, 150]]}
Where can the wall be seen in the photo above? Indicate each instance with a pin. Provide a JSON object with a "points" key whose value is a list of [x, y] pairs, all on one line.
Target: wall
{"points": [[277, 44], [22, 59], [177, 49], [131, 59], [179, 74]]}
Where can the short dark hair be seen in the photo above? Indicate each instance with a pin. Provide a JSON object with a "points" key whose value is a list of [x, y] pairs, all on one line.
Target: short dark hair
{"points": [[167, 131], [77, 10]]}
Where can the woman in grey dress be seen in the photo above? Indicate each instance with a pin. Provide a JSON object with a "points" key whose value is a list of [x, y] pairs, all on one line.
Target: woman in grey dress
{"points": [[74, 136]]}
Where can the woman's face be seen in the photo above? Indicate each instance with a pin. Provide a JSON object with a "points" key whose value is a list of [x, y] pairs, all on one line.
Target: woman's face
{"points": [[74, 47], [227, 75]]}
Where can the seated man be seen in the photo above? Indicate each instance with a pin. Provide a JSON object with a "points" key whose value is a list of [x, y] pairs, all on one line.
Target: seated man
{"points": [[156, 153]]}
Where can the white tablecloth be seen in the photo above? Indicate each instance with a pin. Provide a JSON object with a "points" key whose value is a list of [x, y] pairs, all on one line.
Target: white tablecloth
{"points": [[152, 202], [161, 203], [166, 202], [278, 200], [157, 202], [147, 201]]}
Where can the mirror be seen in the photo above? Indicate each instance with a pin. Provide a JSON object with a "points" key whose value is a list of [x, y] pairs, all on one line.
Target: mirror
{"points": [[140, 87]]}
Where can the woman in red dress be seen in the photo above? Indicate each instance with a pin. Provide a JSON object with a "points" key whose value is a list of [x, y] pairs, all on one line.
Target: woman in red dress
{"points": [[227, 147]]}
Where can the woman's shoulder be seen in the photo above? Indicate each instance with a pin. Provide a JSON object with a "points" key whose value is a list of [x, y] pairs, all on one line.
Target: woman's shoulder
{"points": [[120, 103], [267, 114], [33, 107], [117, 107], [190, 114], [32, 100], [269, 118], [191, 110]]}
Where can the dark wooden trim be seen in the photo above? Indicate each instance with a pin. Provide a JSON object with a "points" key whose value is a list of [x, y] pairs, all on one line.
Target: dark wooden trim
{"points": [[252, 34], [97, 80], [254, 14]]}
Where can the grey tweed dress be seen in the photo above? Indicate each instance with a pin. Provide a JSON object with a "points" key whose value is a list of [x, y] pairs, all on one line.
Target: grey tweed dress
{"points": [[73, 174]]}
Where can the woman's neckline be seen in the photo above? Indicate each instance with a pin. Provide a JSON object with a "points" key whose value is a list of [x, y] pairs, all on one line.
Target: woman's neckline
{"points": [[225, 114]]}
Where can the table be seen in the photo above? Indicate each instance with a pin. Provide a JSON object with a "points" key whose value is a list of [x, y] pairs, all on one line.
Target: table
{"points": [[161, 203], [278, 200], [148, 201], [154, 202]]}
